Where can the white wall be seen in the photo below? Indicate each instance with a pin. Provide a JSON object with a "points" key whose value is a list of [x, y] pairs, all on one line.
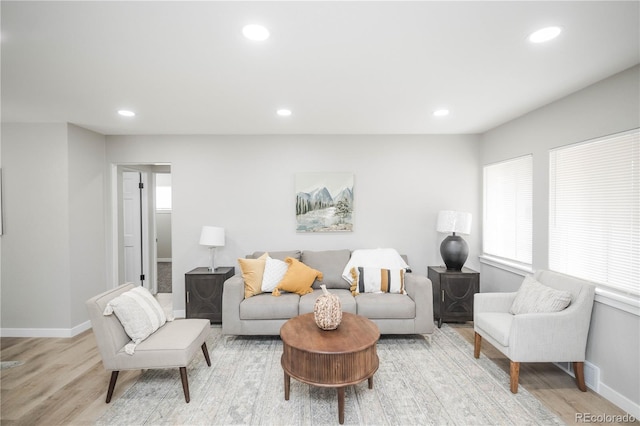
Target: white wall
{"points": [[163, 234], [35, 256], [246, 185], [87, 226], [610, 106], [54, 241]]}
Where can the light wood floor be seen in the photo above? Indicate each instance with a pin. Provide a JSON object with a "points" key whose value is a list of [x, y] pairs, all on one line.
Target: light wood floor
{"points": [[62, 382], [552, 386]]}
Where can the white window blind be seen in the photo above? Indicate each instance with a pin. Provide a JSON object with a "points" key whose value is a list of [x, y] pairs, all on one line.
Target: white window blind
{"points": [[594, 211], [507, 209]]}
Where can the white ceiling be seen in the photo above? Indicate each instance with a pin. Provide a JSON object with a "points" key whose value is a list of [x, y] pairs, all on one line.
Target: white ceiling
{"points": [[341, 67]]}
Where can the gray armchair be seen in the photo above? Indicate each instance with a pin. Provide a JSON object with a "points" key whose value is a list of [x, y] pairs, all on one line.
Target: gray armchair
{"points": [[537, 337], [171, 346]]}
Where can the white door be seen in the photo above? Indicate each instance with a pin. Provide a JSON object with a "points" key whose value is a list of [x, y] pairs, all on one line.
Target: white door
{"points": [[132, 227]]}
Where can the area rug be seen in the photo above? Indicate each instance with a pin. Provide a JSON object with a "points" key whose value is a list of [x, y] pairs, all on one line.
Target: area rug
{"points": [[164, 277], [420, 381]]}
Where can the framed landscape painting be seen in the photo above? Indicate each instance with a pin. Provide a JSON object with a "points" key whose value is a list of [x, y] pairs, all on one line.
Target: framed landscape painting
{"points": [[324, 202]]}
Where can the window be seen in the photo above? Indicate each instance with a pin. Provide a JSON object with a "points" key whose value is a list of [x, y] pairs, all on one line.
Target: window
{"points": [[507, 209], [163, 191], [594, 211]]}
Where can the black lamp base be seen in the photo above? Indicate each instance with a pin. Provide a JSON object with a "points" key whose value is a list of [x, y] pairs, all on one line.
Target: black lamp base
{"points": [[454, 251]]}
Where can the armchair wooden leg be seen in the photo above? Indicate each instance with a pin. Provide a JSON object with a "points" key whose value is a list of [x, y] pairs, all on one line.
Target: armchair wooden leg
{"points": [[477, 342], [206, 354], [514, 373], [578, 369], [112, 385], [185, 383]]}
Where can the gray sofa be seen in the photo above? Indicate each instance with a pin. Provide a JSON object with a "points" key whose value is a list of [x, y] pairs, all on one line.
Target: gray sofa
{"points": [[264, 314]]}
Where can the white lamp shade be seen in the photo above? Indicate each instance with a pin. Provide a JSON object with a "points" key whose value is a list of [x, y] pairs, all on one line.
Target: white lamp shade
{"points": [[212, 236], [452, 221]]}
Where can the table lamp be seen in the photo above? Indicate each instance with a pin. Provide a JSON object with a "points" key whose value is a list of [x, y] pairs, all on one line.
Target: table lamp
{"points": [[454, 250], [212, 236]]}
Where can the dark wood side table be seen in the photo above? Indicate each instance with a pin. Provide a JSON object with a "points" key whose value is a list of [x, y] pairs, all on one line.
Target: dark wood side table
{"points": [[453, 293], [203, 292]]}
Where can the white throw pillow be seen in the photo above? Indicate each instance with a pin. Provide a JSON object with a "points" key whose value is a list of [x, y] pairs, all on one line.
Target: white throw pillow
{"points": [[139, 313], [534, 297], [274, 270]]}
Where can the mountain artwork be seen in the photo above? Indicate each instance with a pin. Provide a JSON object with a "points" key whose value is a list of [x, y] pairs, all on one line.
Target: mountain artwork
{"points": [[324, 202]]}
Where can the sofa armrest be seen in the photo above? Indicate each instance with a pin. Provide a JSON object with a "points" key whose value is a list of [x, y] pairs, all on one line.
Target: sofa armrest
{"points": [[419, 289], [232, 296], [551, 337]]}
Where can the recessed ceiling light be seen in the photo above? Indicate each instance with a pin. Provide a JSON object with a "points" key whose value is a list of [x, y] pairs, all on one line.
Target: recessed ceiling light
{"points": [[284, 112], [545, 34], [126, 113], [443, 112], [255, 32]]}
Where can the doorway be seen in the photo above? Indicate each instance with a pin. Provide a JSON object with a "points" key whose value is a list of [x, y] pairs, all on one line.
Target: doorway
{"points": [[144, 225], [163, 231]]}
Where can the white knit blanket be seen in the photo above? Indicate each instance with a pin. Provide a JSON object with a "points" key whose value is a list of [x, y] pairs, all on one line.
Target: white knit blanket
{"points": [[383, 258]]}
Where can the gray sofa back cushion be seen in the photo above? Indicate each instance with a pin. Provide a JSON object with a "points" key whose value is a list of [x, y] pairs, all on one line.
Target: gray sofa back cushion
{"points": [[331, 263], [277, 254], [578, 288]]}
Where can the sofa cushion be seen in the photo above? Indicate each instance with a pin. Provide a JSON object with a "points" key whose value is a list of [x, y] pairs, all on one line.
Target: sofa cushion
{"points": [[495, 324], [173, 345], [139, 313], [331, 263], [252, 273], [266, 307], [274, 270], [376, 280], [308, 301], [298, 278], [534, 297], [385, 306], [282, 255]]}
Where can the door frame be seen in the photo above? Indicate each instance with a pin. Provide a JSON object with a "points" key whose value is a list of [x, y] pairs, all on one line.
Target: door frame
{"points": [[151, 281], [129, 181]]}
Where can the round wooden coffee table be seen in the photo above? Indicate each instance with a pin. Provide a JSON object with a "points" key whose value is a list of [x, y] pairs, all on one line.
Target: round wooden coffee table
{"points": [[329, 358]]}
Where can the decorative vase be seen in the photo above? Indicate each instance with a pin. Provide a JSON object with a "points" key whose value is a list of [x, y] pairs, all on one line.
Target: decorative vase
{"points": [[327, 310], [454, 251]]}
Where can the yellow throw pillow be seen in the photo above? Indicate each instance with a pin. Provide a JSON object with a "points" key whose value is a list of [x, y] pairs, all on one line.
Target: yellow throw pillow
{"points": [[252, 271], [298, 279]]}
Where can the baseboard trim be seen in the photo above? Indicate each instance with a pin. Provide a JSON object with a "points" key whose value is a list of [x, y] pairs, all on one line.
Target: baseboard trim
{"points": [[593, 382], [45, 332], [620, 400]]}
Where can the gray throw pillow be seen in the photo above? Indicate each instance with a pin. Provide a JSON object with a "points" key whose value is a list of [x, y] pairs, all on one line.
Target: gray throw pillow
{"points": [[534, 297]]}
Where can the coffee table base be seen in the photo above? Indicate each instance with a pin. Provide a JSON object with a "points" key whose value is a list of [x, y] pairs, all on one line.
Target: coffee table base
{"points": [[340, 389]]}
